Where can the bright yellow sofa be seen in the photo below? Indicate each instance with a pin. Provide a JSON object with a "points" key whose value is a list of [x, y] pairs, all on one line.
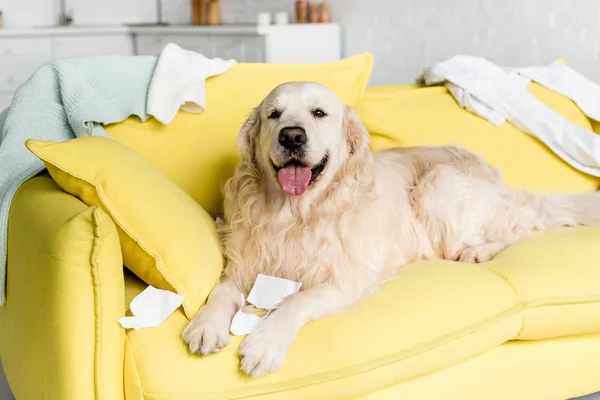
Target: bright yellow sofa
{"points": [[523, 326]]}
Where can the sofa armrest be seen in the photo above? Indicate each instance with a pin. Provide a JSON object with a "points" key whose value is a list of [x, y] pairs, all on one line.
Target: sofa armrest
{"points": [[59, 331]]}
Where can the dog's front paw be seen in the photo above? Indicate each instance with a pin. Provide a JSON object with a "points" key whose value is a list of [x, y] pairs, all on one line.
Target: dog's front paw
{"points": [[264, 350], [208, 332]]}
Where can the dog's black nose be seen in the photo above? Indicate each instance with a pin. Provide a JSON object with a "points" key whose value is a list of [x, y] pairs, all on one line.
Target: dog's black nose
{"points": [[292, 137]]}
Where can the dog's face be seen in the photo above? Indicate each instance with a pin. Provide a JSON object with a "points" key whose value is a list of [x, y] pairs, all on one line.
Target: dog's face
{"points": [[300, 135]]}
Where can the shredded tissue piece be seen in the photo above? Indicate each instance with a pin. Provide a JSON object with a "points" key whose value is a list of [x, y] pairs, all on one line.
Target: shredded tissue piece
{"points": [[150, 308], [267, 293], [153, 306]]}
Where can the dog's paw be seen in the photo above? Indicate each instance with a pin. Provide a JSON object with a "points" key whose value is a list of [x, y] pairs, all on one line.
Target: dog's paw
{"points": [[480, 253], [208, 332], [264, 350]]}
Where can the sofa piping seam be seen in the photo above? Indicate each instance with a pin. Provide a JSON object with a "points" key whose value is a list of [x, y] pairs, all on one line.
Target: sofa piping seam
{"points": [[516, 293], [97, 245]]}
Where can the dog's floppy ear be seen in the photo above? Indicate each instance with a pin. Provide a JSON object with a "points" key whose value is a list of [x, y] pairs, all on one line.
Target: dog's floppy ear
{"points": [[249, 132], [355, 132]]}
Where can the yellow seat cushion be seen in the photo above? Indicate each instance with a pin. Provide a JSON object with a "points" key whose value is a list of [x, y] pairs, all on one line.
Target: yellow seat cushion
{"points": [[415, 116], [558, 369], [166, 238], [432, 316], [199, 151], [556, 277]]}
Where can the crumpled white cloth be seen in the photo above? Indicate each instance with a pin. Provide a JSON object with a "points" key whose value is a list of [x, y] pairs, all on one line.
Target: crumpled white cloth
{"points": [[179, 82], [498, 95]]}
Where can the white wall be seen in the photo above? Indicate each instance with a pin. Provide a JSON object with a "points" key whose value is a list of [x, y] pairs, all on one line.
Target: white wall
{"points": [[232, 11], [43, 13], [406, 36], [111, 12], [27, 13], [19, 13]]}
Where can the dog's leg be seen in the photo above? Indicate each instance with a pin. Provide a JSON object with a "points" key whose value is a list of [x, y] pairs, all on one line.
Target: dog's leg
{"points": [[265, 349], [469, 213], [208, 331]]}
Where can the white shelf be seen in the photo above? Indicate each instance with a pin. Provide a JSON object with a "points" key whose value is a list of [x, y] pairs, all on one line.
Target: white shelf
{"points": [[63, 31], [195, 30], [162, 30]]}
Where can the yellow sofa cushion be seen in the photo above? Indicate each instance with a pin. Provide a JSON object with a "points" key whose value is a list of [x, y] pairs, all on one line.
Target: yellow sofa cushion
{"points": [[432, 316], [199, 151], [167, 239], [558, 369], [556, 277], [412, 116]]}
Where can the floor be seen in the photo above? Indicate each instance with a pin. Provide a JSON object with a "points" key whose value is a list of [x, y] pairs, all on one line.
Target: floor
{"points": [[5, 393]]}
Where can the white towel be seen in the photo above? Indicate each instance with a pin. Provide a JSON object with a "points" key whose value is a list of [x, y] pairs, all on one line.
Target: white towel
{"points": [[568, 82], [498, 94], [179, 82]]}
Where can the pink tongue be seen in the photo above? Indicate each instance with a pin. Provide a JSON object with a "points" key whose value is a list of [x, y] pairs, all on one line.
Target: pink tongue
{"points": [[294, 179]]}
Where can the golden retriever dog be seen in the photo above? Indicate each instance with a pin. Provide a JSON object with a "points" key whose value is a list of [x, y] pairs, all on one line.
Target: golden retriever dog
{"points": [[309, 202]]}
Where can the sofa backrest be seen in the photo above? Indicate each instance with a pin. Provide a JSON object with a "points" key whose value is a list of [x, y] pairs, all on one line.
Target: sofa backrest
{"points": [[412, 115], [199, 151]]}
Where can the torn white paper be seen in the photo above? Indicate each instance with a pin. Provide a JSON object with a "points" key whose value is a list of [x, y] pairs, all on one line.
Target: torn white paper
{"points": [[150, 308], [267, 293], [243, 324]]}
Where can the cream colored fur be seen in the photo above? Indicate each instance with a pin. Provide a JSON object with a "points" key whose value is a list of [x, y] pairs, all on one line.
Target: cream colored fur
{"points": [[363, 218]]}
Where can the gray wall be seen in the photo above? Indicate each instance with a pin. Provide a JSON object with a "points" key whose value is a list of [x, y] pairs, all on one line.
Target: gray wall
{"points": [[232, 11], [408, 35]]}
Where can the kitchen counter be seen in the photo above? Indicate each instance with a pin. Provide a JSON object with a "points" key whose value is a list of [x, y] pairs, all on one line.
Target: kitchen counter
{"points": [[63, 31], [157, 29]]}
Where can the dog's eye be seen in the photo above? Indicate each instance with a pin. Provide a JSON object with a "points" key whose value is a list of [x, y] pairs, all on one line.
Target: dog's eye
{"points": [[275, 114], [319, 113]]}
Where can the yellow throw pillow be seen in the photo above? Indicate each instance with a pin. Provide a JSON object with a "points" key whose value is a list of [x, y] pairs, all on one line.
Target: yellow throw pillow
{"points": [[167, 239], [199, 151], [413, 116]]}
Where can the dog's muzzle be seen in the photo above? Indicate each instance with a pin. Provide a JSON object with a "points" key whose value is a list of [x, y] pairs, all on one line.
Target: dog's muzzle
{"points": [[292, 138]]}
